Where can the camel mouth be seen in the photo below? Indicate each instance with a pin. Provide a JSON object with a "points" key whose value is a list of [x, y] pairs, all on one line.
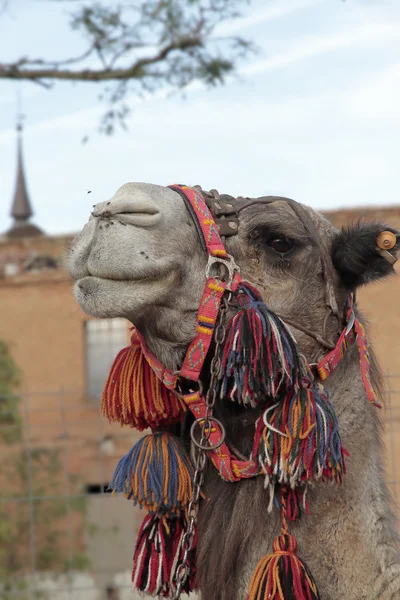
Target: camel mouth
{"points": [[89, 276], [90, 280], [157, 275]]}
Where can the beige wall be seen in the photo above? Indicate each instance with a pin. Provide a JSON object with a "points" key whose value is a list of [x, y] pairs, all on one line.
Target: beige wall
{"points": [[380, 303], [44, 327]]}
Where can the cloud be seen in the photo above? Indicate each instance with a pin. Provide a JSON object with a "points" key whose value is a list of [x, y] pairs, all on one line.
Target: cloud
{"points": [[310, 47], [376, 96], [272, 12], [314, 46]]}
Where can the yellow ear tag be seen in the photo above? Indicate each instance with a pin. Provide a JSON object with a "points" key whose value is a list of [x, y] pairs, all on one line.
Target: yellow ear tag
{"points": [[386, 240]]}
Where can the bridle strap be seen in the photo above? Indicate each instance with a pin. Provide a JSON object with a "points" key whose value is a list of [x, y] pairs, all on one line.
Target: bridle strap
{"points": [[318, 338], [226, 210], [203, 220], [229, 466]]}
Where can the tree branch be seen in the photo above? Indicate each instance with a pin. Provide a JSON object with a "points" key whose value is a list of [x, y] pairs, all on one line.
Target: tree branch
{"points": [[139, 46], [14, 70]]}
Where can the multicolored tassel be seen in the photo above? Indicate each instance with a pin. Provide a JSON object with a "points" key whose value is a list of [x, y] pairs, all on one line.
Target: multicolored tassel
{"points": [[133, 394], [260, 358], [158, 552], [282, 575], [157, 474], [297, 438]]}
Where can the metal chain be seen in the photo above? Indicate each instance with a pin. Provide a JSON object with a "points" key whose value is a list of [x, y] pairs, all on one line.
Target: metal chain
{"points": [[183, 570]]}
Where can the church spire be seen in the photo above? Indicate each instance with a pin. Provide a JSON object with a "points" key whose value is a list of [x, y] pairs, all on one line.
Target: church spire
{"points": [[21, 209]]}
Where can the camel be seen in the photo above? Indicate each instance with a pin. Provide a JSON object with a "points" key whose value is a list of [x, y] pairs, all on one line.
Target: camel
{"points": [[140, 257]]}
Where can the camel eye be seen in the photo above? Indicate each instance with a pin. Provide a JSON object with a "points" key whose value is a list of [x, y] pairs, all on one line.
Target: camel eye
{"points": [[280, 243]]}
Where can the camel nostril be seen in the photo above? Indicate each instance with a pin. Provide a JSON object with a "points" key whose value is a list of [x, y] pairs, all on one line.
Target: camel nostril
{"points": [[130, 206]]}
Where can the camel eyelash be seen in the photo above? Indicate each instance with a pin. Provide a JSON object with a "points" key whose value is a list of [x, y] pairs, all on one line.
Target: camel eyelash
{"points": [[280, 246]]}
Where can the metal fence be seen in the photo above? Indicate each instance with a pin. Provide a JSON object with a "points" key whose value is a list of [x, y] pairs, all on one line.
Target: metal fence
{"points": [[62, 535]]}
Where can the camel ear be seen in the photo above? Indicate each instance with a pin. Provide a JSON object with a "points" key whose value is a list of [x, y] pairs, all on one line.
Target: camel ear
{"points": [[365, 252]]}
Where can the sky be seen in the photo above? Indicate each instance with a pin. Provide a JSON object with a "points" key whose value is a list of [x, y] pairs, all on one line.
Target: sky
{"points": [[314, 115]]}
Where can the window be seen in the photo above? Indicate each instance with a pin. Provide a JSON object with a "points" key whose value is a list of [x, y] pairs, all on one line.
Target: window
{"points": [[104, 339]]}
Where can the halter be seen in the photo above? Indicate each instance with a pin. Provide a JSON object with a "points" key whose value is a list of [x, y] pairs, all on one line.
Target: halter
{"points": [[226, 210], [187, 382], [296, 439]]}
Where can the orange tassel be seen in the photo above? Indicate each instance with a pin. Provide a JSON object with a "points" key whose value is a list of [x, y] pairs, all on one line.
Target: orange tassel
{"points": [[133, 395], [282, 575]]}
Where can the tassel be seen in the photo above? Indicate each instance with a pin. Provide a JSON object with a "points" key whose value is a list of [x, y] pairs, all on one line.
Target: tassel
{"points": [[158, 552], [157, 474], [297, 439], [133, 395], [259, 358], [282, 575]]}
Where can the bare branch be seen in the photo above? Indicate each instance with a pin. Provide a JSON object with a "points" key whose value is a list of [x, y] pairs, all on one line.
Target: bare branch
{"points": [[14, 71]]}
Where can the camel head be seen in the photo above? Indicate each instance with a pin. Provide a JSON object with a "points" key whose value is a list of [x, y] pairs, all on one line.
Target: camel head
{"points": [[140, 257]]}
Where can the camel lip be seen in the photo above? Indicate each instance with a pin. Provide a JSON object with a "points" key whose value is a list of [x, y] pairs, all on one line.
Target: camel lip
{"points": [[122, 280], [155, 276]]}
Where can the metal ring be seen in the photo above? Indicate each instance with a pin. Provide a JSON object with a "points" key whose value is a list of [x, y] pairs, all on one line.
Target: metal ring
{"points": [[209, 446], [229, 264]]}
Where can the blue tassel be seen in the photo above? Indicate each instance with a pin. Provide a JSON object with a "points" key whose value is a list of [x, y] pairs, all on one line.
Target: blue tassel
{"points": [[156, 474]]}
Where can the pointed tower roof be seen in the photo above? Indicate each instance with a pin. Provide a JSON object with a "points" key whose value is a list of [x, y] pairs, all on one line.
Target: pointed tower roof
{"points": [[21, 209]]}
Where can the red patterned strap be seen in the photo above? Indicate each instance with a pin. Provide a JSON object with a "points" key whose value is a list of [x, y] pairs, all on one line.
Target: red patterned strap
{"points": [[365, 363], [229, 467], [167, 377], [204, 218], [353, 330], [331, 360], [214, 288], [205, 324]]}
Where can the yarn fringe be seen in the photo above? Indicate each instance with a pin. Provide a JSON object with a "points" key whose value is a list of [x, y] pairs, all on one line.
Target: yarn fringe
{"points": [[282, 575], [157, 474], [133, 395], [297, 439], [158, 552], [259, 358]]}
